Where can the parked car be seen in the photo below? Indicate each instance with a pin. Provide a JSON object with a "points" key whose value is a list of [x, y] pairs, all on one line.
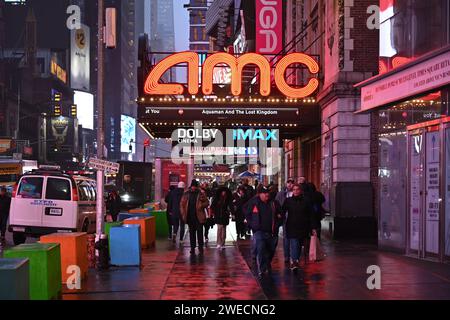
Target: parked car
{"points": [[48, 201]]}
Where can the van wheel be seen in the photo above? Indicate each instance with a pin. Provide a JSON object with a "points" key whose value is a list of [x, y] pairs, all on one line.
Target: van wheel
{"points": [[85, 227], [19, 238]]}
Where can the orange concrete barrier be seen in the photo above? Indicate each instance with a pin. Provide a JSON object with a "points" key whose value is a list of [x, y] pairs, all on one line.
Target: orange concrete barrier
{"points": [[148, 229], [73, 251], [139, 210]]}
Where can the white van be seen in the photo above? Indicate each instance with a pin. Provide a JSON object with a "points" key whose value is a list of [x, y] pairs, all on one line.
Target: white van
{"points": [[45, 202]]}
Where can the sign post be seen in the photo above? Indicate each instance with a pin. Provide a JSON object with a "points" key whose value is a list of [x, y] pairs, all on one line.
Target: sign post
{"points": [[100, 240], [103, 165]]}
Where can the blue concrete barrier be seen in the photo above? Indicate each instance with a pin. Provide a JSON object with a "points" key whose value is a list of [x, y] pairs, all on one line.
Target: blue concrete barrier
{"points": [[126, 245]]}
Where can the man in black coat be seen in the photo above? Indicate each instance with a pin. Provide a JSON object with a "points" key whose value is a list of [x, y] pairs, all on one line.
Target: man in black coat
{"points": [[299, 223], [264, 218], [239, 200], [173, 210], [5, 203]]}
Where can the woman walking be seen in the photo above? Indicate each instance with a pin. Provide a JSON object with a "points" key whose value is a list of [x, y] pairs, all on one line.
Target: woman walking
{"points": [[221, 210]]}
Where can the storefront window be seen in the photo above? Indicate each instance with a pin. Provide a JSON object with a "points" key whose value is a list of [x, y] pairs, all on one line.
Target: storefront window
{"points": [[410, 29], [447, 193], [393, 163]]}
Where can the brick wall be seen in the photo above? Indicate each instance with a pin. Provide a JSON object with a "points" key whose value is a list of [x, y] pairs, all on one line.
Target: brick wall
{"points": [[365, 42]]}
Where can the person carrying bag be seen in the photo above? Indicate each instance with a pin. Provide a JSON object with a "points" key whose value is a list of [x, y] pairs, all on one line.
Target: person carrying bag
{"points": [[315, 249]]}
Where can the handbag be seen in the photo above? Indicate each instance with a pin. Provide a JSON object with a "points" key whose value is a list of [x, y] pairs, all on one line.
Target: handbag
{"points": [[315, 249]]}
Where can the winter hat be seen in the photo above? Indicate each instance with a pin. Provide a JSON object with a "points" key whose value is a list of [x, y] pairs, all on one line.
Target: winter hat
{"points": [[194, 183]]}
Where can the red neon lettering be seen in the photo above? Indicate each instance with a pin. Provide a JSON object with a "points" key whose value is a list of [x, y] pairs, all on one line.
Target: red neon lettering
{"points": [[153, 87]]}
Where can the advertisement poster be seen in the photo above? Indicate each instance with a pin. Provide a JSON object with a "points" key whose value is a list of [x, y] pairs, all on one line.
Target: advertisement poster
{"points": [[415, 188], [269, 26], [172, 174], [80, 58], [60, 131], [127, 134], [432, 197]]}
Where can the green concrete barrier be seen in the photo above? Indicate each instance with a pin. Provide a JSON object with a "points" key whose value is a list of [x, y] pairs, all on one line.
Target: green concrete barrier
{"points": [[45, 268], [162, 227], [108, 226]]}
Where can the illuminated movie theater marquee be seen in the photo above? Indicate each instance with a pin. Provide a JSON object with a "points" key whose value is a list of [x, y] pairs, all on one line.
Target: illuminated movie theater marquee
{"points": [[152, 85]]}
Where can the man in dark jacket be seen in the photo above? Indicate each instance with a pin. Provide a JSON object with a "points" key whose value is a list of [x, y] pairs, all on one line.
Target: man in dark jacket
{"points": [[5, 203], [299, 223], [192, 208], [113, 204], [239, 200], [264, 218], [281, 198], [173, 209]]}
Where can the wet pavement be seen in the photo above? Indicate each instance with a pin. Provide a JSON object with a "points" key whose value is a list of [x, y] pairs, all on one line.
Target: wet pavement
{"points": [[342, 275], [169, 272]]}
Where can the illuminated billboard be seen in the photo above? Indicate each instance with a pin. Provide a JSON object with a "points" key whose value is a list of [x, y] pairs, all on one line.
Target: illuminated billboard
{"points": [[269, 26], [80, 58], [85, 109], [127, 134], [152, 85]]}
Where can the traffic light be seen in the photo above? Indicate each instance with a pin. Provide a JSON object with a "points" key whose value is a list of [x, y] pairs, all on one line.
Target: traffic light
{"points": [[57, 97], [57, 110], [73, 110]]}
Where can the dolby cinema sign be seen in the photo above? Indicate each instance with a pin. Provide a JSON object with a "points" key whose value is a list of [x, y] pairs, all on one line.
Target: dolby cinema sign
{"points": [[194, 135], [264, 144]]}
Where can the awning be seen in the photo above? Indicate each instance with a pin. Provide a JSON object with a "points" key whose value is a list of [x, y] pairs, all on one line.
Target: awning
{"points": [[246, 174], [420, 76]]}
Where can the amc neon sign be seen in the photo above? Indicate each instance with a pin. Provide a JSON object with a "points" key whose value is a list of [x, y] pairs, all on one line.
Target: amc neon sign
{"points": [[153, 87]]}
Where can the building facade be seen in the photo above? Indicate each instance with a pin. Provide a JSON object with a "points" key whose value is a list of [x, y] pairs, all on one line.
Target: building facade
{"points": [[198, 38], [162, 31], [408, 102], [123, 139], [38, 84]]}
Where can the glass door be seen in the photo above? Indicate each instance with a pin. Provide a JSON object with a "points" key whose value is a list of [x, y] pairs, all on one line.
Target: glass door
{"points": [[432, 192], [416, 146], [447, 192], [424, 192]]}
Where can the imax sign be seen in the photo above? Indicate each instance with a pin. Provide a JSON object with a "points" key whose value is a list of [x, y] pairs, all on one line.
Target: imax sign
{"points": [[260, 134]]}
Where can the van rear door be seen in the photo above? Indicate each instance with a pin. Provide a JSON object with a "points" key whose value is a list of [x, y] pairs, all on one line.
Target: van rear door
{"points": [[26, 206], [60, 211]]}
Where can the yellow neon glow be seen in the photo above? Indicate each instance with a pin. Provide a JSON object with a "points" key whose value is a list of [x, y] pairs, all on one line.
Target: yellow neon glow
{"points": [[280, 70]]}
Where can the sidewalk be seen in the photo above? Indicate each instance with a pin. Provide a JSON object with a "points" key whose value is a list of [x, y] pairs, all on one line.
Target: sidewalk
{"points": [[169, 272], [342, 275]]}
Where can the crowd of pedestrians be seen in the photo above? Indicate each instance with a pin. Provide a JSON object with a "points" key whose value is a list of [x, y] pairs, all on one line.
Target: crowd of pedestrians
{"points": [[258, 212]]}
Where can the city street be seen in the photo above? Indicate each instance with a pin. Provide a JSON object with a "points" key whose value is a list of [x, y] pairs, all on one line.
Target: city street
{"points": [[169, 272], [312, 136]]}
